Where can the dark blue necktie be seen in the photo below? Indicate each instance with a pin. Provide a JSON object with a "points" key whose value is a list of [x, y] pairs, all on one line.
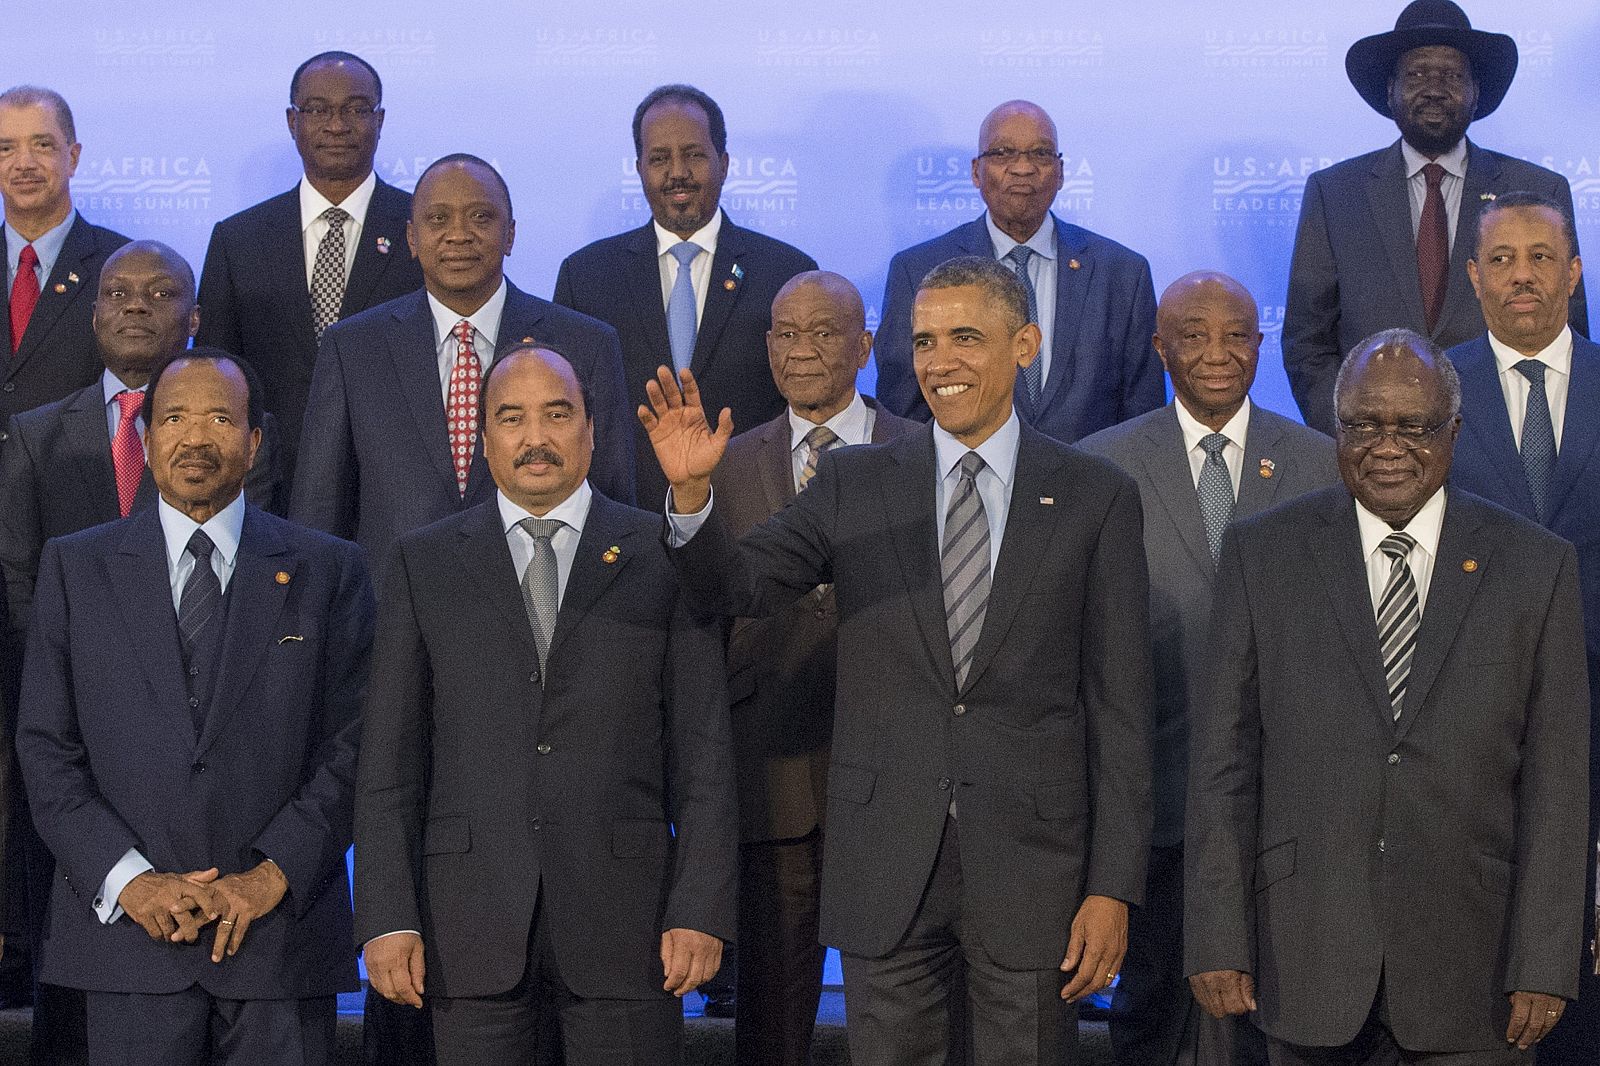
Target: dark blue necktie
{"points": [[202, 594], [1033, 373], [1538, 438]]}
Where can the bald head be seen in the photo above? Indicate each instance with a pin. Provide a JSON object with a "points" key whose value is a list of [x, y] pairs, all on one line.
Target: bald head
{"points": [[144, 309], [1018, 167], [818, 343], [1035, 115], [538, 437], [1208, 337], [836, 288]]}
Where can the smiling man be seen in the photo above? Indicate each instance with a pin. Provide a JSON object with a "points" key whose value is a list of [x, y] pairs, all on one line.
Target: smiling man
{"points": [[989, 786]]}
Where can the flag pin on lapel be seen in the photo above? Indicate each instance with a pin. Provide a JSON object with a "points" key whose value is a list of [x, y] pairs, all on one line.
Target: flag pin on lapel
{"points": [[1486, 196], [383, 246], [611, 555], [73, 278], [1267, 467], [733, 282], [1470, 566], [1048, 501]]}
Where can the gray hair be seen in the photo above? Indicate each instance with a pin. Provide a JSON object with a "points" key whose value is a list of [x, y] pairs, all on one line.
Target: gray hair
{"points": [[1401, 340], [36, 96]]}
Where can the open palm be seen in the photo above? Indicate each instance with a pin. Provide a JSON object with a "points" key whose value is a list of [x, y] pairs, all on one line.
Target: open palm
{"points": [[686, 445]]}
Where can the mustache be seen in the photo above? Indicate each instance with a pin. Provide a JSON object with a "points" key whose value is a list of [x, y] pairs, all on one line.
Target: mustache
{"points": [[680, 186], [205, 454], [537, 455]]}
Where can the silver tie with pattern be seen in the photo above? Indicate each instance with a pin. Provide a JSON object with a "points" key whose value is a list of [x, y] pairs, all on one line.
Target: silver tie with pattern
{"points": [[327, 274], [964, 561], [541, 588]]}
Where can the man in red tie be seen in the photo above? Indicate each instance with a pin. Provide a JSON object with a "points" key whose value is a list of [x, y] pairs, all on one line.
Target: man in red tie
{"points": [[53, 255]]}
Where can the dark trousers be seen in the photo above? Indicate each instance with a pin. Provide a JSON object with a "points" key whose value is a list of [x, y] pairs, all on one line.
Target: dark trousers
{"points": [[897, 1009], [515, 1028], [1375, 1045], [393, 1034], [1155, 1020], [780, 959], [194, 1028], [1575, 1040], [59, 1036]]}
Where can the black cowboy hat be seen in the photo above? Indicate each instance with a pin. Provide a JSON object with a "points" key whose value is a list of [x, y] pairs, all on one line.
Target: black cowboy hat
{"points": [[1370, 61]]}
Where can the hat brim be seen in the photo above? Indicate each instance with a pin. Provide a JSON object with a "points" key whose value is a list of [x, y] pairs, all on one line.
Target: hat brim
{"points": [[1370, 62]]}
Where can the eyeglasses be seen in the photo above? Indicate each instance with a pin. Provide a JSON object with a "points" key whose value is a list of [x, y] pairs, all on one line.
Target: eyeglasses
{"points": [[321, 113], [1370, 434], [1039, 157]]}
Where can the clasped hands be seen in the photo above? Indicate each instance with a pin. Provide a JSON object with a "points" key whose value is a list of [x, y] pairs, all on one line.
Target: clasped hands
{"points": [[176, 907]]}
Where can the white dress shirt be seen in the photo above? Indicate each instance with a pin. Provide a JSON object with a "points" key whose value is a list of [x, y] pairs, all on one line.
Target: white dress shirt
{"points": [[485, 328], [313, 227], [1557, 360], [1042, 271], [853, 425], [1232, 452], [1424, 528], [699, 268], [571, 512], [111, 385], [47, 247], [1455, 173], [224, 528]]}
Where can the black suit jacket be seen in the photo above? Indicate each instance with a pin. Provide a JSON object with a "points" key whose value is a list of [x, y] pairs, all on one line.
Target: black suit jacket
{"points": [[781, 669], [618, 281], [1354, 270], [255, 298], [58, 352], [1045, 748], [375, 453], [603, 797]]}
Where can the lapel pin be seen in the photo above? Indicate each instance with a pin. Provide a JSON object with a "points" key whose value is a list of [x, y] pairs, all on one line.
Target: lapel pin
{"points": [[1267, 467], [383, 246], [72, 277], [1073, 264], [738, 271], [527, 340], [60, 287], [1486, 196], [730, 284], [282, 577], [611, 555], [1048, 501], [1470, 566]]}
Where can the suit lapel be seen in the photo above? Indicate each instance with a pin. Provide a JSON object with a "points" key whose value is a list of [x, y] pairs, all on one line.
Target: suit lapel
{"points": [[1450, 592], [1337, 550], [720, 297], [412, 351], [1072, 289], [643, 278], [1579, 435], [1489, 424], [386, 219], [605, 527], [1483, 176], [256, 595], [775, 462], [282, 259], [1391, 214], [88, 441], [1257, 493], [70, 273], [909, 501], [484, 560], [1167, 465], [143, 590]]}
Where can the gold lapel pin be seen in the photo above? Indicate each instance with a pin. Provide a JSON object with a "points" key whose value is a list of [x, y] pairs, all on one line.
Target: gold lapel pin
{"points": [[1073, 264], [1486, 196], [282, 577], [72, 278], [1267, 467], [60, 288], [611, 555], [1047, 500], [730, 284], [1470, 566], [527, 340]]}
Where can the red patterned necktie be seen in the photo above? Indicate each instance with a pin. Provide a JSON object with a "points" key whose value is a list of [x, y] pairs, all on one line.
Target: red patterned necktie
{"points": [[24, 295], [127, 454], [1433, 247], [461, 406]]}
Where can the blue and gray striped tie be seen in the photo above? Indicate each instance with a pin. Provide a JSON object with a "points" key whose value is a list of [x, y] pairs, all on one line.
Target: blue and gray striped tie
{"points": [[964, 560]]}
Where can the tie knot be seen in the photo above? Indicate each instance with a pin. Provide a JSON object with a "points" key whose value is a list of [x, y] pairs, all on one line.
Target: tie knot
{"points": [[541, 528], [463, 332], [336, 217], [29, 258], [971, 463], [1212, 444], [1018, 257], [1397, 545], [129, 401], [1434, 173], [684, 252], [821, 437], [1532, 369], [200, 545]]}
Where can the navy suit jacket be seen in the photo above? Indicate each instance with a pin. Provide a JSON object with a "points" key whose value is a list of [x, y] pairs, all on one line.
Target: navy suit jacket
{"points": [[1104, 368], [113, 761], [375, 454], [618, 281], [255, 299], [1354, 270], [58, 352]]}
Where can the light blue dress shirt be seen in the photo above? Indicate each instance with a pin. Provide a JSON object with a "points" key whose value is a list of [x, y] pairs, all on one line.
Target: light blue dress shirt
{"points": [[111, 386], [47, 248], [1042, 271]]}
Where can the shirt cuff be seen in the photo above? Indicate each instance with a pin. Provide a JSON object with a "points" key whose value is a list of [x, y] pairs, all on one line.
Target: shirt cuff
{"points": [[131, 865], [380, 936], [681, 528]]}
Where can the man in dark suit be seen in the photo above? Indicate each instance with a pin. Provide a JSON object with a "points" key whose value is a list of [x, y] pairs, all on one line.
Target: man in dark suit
{"points": [[188, 730], [781, 669], [49, 343], [1384, 237], [1091, 297], [279, 273], [545, 812], [390, 439], [1208, 457], [989, 787], [1388, 781], [1530, 391], [715, 318]]}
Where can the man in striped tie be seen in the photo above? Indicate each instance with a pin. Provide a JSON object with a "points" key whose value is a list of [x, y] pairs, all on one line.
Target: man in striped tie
{"points": [[1387, 818]]}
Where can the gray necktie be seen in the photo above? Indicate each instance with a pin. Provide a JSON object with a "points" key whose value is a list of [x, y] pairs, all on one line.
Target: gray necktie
{"points": [[327, 273], [964, 562], [817, 441], [1215, 489], [541, 585], [1033, 373], [1538, 437], [1399, 617]]}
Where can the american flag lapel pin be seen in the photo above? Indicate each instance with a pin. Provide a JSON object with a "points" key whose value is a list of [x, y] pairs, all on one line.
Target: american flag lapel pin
{"points": [[383, 246], [1048, 501], [73, 278], [1267, 468]]}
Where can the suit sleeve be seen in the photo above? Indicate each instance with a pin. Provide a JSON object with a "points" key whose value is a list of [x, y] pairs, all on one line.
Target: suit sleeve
{"points": [[1117, 692], [391, 781], [1224, 784], [219, 317], [612, 467], [1578, 306], [308, 836], [700, 780], [1551, 851], [327, 476], [1144, 384], [897, 379], [261, 483], [86, 836], [1311, 353], [20, 536], [563, 294]]}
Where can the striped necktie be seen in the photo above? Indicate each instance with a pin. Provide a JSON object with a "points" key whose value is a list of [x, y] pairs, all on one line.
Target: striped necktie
{"points": [[817, 441], [1399, 618], [964, 562]]}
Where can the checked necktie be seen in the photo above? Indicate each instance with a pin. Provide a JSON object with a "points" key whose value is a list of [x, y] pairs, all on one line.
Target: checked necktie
{"points": [[1538, 438], [327, 273]]}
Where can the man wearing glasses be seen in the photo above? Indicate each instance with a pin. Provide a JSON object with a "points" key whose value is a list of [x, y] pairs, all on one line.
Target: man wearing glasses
{"points": [[1092, 299], [279, 273]]}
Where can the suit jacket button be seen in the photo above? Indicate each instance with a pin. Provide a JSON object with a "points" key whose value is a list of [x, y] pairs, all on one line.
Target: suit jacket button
{"points": [[533, 678], [4, 436], [544, 749], [536, 825], [944, 784], [98, 903], [1394, 757], [960, 709], [10, 386], [194, 701], [199, 767], [1380, 843]]}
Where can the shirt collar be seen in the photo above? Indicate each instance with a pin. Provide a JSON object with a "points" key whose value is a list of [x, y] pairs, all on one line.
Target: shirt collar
{"points": [[313, 203], [705, 236], [572, 511], [999, 452], [485, 320], [1043, 241], [1193, 431], [47, 246], [224, 528], [1557, 355], [1454, 161], [1424, 527], [110, 385], [850, 425]]}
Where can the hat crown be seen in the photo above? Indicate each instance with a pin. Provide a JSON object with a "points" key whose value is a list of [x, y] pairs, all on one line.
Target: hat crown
{"points": [[1432, 14]]}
